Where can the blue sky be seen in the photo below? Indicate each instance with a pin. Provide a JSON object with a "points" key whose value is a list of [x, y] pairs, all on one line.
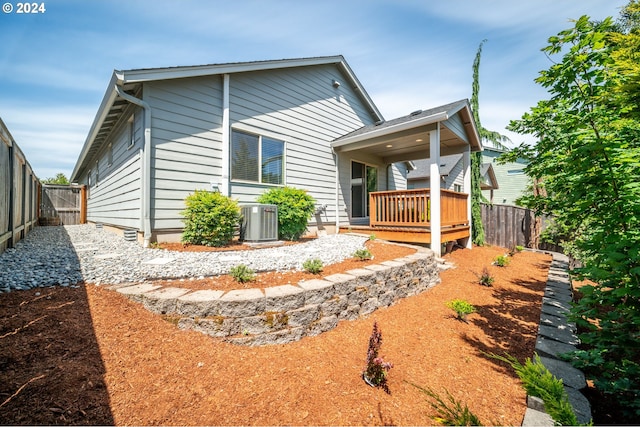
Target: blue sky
{"points": [[408, 54]]}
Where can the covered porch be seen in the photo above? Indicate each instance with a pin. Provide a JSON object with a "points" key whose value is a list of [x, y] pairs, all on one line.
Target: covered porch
{"points": [[432, 215]]}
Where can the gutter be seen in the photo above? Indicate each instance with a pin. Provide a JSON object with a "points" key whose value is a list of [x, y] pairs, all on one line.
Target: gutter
{"points": [[146, 163]]}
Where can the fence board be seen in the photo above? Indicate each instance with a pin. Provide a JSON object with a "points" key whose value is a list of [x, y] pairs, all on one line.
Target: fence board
{"points": [[19, 188], [64, 202]]}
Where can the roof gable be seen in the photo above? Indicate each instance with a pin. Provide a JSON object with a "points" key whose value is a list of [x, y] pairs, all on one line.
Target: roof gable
{"points": [[113, 105]]}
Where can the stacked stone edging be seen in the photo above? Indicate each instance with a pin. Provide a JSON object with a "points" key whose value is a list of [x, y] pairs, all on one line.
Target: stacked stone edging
{"points": [[286, 313], [556, 335]]}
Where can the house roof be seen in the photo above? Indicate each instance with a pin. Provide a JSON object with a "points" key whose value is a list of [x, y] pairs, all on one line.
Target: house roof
{"points": [[113, 105], [422, 171], [403, 138], [489, 180]]}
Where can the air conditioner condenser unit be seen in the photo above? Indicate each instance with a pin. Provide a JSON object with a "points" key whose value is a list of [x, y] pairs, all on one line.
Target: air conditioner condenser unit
{"points": [[259, 223]]}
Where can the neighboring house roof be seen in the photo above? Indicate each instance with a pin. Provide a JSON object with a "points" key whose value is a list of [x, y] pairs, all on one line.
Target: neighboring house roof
{"points": [[489, 180], [414, 120], [113, 105], [422, 171]]}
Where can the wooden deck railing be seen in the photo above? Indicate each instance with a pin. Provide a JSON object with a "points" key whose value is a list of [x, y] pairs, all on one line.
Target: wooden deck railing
{"points": [[411, 208]]}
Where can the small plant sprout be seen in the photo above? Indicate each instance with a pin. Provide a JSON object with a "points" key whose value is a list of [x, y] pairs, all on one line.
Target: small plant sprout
{"points": [[515, 249], [241, 273], [485, 279], [313, 266], [502, 260], [372, 236], [363, 254], [461, 307], [375, 374]]}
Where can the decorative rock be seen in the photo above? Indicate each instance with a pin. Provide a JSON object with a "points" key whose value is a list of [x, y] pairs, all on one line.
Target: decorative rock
{"points": [[569, 375], [562, 334]]}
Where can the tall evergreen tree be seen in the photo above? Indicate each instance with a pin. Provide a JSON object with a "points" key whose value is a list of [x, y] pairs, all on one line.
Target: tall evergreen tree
{"points": [[495, 138]]}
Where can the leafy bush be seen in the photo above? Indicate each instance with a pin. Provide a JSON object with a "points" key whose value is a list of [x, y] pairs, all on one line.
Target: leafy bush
{"points": [[461, 307], [502, 260], [295, 209], [363, 254], [241, 273], [313, 266], [451, 413], [376, 371], [538, 381], [210, 218]]}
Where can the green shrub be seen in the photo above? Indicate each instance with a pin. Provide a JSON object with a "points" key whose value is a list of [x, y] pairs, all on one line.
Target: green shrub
{"points": [[538, 381], [210, 218], [451, 413], [313, 266], [461, 307], [502, 260], [363, 254], [295, 209], [241, 273]]}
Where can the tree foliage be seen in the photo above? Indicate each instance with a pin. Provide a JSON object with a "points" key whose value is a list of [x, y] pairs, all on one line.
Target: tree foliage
{"points": [[588, 160], [495, 138], [59, 179]]}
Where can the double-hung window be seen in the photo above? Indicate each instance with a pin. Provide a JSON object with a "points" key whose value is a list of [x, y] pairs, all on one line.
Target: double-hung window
{"points": [[256, 158]]}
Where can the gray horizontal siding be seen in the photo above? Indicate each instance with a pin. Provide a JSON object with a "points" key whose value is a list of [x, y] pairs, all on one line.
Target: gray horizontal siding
{"points": [[302, 108], [115, 197], [187, 143]]}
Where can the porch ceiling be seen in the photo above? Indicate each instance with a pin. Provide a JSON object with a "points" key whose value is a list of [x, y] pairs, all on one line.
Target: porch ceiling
{"points": [[407, 138]]}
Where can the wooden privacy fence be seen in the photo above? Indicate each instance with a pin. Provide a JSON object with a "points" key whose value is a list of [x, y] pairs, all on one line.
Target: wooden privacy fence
{"points": [[19, 190], [63, 204], [509, 226]]}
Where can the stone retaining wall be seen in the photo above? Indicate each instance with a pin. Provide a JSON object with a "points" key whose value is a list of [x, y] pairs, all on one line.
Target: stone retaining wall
{"points": [[286, 313]]}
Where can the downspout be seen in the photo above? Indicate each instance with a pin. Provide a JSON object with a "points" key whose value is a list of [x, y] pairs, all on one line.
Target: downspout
{"points": [[146, 163], [335, 156]]}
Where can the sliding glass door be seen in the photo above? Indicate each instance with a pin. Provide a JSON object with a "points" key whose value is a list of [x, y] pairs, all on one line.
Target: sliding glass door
{"points": [[364, 179]]}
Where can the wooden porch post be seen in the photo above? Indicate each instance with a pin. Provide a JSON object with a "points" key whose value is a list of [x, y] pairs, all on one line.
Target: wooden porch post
{"points": [[434, 188], [466, 188]]}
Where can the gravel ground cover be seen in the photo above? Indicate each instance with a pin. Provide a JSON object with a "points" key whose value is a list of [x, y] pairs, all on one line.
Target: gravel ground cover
{"points": [[66, 255]]}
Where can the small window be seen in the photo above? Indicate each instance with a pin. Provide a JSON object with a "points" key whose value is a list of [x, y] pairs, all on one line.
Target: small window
{"points": [[131, 131], [97, 173], [89, 180], [110, 155], [457, 187], [515, 172], [256, 158]]}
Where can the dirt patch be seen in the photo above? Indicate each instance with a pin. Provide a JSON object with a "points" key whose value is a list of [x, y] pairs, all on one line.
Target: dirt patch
{"points": [[99, 358]]}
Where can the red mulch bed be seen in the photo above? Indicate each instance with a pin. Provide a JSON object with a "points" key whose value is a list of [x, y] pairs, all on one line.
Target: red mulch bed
{"points": [[90, 356]]}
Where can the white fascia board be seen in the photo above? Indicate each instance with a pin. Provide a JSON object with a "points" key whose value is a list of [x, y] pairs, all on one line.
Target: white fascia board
{"points": [[422, 121], [359, 88], [107, 101], [143, 75]]}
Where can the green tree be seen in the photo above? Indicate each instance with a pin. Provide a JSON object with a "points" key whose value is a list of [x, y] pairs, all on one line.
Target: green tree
{"points": [[588, 160], [60, 179], [495, 138]]}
